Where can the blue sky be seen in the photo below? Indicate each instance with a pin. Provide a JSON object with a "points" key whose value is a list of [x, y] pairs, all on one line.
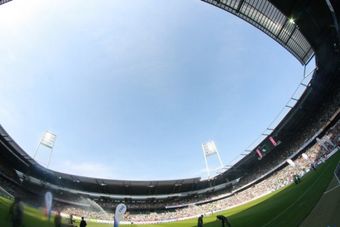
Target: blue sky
{"points": [[133, 88]]}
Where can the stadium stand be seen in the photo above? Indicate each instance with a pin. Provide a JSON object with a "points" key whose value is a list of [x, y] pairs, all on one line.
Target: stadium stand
{"points": [[276, 174]]}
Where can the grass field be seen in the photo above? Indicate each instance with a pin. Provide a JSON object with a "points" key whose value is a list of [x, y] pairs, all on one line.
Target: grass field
{"points": [[286, 207], [326, 212]]}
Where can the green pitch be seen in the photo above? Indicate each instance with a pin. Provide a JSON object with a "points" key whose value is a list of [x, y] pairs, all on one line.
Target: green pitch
{"points": [[286, 207]]}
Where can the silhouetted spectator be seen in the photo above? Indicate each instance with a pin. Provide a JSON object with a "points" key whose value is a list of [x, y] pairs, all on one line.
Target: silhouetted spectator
{"points": [[16, 213], [71, 220], [82, 222], [200, 221], [57, 220], [297, 179], [224, 220], [313, 166]]}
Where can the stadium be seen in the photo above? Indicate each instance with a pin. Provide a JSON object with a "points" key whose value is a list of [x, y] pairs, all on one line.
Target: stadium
{"points": [[297, 183]]}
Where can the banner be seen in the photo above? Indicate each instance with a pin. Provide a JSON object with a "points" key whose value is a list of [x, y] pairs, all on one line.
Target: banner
{"points": [[259, 154], [291, 163], [272, 141], [48, 204], [119, 214], [305, 156]]}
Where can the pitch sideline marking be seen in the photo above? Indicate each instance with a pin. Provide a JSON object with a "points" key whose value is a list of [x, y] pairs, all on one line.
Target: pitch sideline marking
{"points": [[335, 187], [298, 200]]}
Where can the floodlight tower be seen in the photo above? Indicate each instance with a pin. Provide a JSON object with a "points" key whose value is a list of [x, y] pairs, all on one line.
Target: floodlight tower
{"points": [[47, 140], [210, 149]]}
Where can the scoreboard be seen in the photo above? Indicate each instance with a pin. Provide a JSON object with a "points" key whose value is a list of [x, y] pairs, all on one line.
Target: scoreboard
{"points": [[266, 146]]}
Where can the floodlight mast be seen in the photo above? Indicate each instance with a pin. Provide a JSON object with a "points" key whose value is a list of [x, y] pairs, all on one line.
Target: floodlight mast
{"points": [[206, 161], [219, 157], [209, 149], [47, 140], [49, 158]]}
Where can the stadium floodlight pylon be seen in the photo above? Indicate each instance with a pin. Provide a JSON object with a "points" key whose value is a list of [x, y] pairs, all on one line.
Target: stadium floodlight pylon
{"points": [[210, 149], [326, 143], [48, 141]]}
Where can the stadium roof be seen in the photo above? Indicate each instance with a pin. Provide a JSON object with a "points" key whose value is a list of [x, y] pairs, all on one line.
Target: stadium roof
{"points": [[4, 1], [266, 17]]}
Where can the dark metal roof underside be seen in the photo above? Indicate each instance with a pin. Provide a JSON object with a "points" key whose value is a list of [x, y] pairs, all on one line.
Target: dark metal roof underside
{"points": [[4, 1], [265, 16]]}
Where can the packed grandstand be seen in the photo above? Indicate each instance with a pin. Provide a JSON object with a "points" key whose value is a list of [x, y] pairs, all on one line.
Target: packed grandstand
{"points": [[273, 175], [308, 136]]}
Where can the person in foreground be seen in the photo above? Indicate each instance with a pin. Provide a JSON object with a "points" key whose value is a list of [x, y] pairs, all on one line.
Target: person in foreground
{"points": [[224, 220], [82, 222], [57, 220], [16, 213], [200, 221]]}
